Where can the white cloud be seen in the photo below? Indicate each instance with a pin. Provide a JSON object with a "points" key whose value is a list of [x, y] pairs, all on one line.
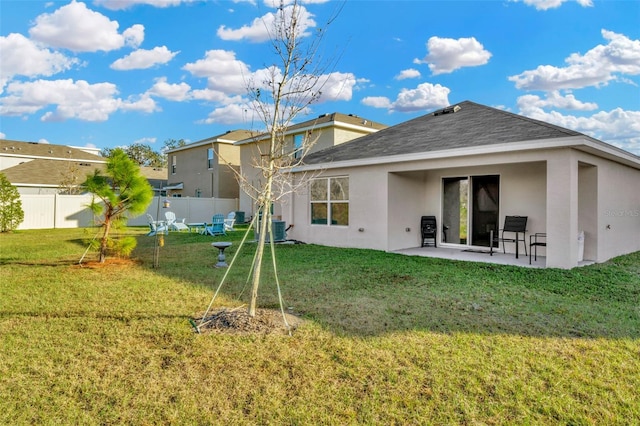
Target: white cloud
{"points": [[77, 28], [143, 59], [134, 36], [72, 99], [21, 56], [408, 73], [555, 100], [276, 3], [223, 71], [552, 4], [597, 67], [425, 96], [173, 92], [377, 101], [446, 55], [261, 28], [617, 127], [231, 114], [147, 140], [216, 96], [336, 86], [3, 135], [127, 4]]}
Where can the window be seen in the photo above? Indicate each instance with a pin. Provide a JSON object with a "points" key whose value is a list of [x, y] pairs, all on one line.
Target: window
{"points": [[298, 141], [330, 201], [173, 164], [210, 158]]}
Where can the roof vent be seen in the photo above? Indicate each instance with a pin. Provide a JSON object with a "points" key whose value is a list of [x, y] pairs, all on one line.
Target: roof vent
{"points": [[448, 110], [322, 115]]}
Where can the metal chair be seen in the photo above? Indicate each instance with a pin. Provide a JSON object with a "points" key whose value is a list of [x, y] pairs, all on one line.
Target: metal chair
{"points": [[515, 225], [539, 239]]}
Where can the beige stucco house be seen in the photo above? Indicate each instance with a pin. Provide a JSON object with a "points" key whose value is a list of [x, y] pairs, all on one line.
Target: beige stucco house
{"points": [[40, 168], [470, 165], [324, 131], [206, 168]]}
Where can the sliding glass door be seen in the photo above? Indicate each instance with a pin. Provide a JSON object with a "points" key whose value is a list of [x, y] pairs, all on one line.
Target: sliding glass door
{"points": [[470, 209]]}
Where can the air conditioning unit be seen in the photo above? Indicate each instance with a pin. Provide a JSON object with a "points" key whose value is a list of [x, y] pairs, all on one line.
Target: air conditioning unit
{"points": [[277, 231]]}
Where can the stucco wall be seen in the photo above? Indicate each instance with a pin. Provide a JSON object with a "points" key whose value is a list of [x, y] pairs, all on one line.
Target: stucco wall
{"points": [[193, 171], [410, 192], [562, 191], [618, 209], [368, 215]]}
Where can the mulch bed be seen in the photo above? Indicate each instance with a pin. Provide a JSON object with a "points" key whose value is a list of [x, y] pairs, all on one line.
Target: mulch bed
{"points": [[238, 321]]}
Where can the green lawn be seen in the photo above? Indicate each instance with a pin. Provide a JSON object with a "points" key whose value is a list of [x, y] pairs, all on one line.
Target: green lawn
{"points": [[387, 339]]}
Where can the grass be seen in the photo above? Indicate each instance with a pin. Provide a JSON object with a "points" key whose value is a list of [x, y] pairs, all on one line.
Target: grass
{"points": [[388, 339]]}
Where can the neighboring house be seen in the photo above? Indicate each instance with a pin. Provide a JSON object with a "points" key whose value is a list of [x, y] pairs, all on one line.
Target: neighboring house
{"points": [[325, 131], [470, 166], [206, 168], [38, 168]]}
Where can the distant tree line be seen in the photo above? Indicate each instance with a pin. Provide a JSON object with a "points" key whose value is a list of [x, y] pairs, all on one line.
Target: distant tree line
{"points": [[145, 156]]}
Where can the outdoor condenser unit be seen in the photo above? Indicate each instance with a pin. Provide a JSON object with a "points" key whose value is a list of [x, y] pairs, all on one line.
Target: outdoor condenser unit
{"points": [[277, 230]]}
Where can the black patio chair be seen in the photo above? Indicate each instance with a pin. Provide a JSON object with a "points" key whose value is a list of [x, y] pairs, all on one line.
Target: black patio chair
{"points": [[514, 225], [428, 231]]}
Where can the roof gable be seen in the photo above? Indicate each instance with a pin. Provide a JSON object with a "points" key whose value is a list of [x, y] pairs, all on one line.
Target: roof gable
{"points": [[470, 125]]}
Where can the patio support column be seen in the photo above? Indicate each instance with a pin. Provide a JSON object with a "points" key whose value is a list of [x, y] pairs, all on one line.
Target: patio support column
{"points": [[562, 210]]}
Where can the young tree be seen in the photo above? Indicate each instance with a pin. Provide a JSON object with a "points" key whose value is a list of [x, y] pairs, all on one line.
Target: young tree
{"points": [[11, 213], [70, 179], [121, 192], [292, 84]]}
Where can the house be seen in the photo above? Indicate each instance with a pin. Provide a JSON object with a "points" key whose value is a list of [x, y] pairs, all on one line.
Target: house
{"points": [[470, 165], [206, 168], [324, 131], [39, 168]]}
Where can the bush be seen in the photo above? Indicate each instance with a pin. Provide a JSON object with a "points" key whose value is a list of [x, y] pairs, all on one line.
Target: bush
{"points": [[11, 213]]}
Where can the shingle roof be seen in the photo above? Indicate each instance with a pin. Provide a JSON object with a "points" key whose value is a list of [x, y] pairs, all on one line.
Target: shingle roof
{"points": [[48, 172], [48, 164], [469, 126], [338, 117], [53, 172], [335, 119], [44, 150]]}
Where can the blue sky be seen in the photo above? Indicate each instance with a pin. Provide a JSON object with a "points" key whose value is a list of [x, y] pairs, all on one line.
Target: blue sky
{"points": [[106, 73]]}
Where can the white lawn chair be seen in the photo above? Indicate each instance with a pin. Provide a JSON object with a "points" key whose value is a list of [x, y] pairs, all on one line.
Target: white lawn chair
{"points": [[175, 224], [156, 226], [230, 221]]}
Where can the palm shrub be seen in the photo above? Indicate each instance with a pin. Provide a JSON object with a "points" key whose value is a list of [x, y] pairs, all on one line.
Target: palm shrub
{"points": [[11, 213]]}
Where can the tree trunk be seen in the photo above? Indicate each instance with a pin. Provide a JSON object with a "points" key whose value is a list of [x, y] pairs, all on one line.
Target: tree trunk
{"points": [[105, 239], [264, 228]]}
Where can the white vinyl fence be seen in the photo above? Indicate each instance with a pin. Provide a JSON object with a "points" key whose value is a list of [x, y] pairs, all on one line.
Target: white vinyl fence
{"points": [[46, 211]]}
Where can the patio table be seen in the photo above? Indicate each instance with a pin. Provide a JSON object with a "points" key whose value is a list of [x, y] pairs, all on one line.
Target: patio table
{"points": [[196, 226]]}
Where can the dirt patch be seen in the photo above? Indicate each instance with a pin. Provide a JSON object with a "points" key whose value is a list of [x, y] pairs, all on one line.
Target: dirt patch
{"points": [[109, 262], [238, 321]]}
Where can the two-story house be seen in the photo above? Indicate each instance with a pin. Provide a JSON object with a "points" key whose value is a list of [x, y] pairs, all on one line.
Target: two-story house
{"points": [[310, 136], [206, 168]]}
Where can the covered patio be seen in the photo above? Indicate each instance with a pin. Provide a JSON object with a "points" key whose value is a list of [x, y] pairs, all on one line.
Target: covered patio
{"points": [[470, 255]]}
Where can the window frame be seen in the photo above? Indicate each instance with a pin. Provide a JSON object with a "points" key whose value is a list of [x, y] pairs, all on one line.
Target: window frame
{"points": [[298, 145], [328, 201], [210, 158], [174, 163]]}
